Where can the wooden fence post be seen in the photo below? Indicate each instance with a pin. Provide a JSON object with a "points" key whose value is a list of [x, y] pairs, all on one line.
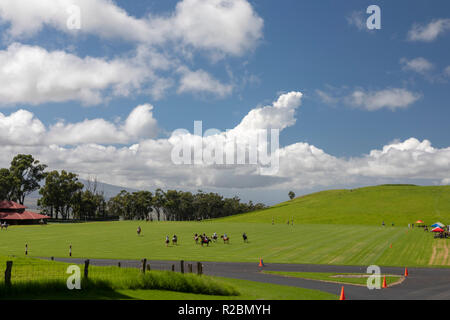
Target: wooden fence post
{"points": [[190, 268], [119, 264], [182, 266], [86, 269], [8, 270], [144, 263], [199, 268], [173, 268]]}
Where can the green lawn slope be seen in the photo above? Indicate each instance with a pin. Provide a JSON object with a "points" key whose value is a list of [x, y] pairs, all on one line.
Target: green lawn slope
{"points": [[398, 204]]}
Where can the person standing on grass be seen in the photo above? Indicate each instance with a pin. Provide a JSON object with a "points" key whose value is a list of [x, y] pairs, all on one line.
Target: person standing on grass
{"points": [[139, 230], [167, 241]]}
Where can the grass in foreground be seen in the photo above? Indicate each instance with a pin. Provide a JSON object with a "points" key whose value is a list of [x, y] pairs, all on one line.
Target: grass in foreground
{"points": [[37, 279], [346, 278], [33, 274]]}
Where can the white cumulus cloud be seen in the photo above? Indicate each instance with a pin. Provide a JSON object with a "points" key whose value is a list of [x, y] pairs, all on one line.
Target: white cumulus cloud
{"points": [[370, 100], [229, 26], [393, 98], [22, 128], [430, 31], [201, 81], [144, 161], [419, 65], [33, 75]]}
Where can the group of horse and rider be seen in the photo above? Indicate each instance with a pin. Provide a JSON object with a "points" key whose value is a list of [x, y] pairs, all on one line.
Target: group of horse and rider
{"points": [[202, 238], [4, 225]]}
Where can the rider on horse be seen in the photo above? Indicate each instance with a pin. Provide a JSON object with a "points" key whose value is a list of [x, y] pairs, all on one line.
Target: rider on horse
{"points": [[167, 241]]}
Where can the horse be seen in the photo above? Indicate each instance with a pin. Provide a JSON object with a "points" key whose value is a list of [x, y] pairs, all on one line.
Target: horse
{"points": [[174, 240], [225, 239], [205, 239], [244, 236], [167, 241], [214, 237]]}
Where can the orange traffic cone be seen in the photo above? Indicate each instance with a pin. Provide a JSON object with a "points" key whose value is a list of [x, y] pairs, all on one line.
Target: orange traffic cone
{"points": [[342, 297], [261, 263], [406, 272], [384, 283]]}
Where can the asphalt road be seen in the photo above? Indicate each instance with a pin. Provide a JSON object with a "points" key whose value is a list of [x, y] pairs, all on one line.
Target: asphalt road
{"points": [[421, 284]]}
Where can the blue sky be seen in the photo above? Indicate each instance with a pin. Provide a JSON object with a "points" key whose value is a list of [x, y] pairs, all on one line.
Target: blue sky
{"points": [[319, 48]]}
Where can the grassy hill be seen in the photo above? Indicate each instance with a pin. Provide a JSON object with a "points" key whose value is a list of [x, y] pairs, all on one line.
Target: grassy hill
{"points": [[400, 204]]}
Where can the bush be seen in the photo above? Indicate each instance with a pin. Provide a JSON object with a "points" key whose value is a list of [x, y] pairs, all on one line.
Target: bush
{"points": [[172, 281]]}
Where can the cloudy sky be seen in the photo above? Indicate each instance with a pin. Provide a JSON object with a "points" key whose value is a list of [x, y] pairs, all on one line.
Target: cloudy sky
{"points": [[105, 95]]}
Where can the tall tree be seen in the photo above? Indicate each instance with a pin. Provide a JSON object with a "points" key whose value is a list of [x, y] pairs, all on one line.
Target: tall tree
{"points": [[159, 202], [7, 183], [60, 193], [291, 195], [27, 174]]}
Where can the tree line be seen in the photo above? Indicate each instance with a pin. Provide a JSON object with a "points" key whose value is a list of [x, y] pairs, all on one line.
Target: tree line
{"points": [[63, 196], [177, 205]]}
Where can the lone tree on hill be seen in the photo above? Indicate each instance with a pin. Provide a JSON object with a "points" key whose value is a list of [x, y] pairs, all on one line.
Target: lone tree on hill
{"points": [[291, 195]]}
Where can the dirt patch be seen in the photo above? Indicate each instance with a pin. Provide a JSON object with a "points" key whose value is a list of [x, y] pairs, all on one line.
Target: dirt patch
{"points": [[433, 255], [446, 261], [440, 255]]}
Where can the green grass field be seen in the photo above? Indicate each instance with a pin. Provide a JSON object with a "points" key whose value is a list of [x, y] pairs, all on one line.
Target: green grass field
{"points": [[365, 206], [316, 244]]}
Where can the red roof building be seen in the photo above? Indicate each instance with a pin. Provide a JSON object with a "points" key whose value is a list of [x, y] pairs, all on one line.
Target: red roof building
{"points": [[14, 213]]}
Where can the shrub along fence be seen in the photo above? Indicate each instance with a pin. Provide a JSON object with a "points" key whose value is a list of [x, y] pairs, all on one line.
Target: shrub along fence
{"points": [[26, 270]]}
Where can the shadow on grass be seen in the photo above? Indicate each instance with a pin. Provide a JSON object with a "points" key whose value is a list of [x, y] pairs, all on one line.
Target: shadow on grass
{"points": [[57, 290]]}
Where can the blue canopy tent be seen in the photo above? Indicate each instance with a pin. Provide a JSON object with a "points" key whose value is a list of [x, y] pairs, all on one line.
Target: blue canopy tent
{"points": [[438, 225]]}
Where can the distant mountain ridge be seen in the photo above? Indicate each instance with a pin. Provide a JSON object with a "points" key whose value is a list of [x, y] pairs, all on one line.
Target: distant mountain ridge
{"points": [[108, 190]]}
